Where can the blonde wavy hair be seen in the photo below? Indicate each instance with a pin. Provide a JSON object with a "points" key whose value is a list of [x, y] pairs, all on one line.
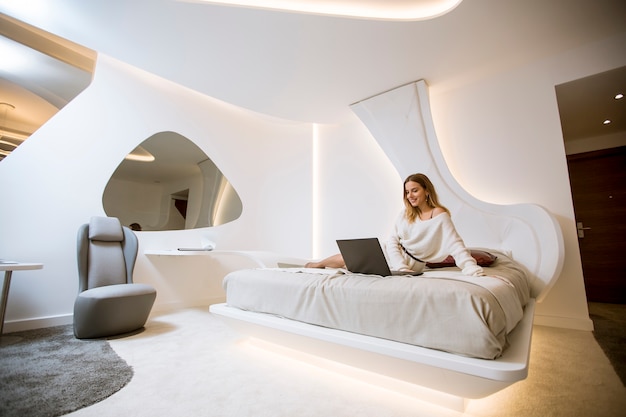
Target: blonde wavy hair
{"points": [[432, 200]]}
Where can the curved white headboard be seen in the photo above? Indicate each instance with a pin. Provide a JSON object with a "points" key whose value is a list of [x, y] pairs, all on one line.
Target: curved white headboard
{"points": [[401, 121]]}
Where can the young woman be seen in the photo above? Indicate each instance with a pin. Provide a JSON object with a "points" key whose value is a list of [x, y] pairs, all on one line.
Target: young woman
{"points": [[423, 232]]}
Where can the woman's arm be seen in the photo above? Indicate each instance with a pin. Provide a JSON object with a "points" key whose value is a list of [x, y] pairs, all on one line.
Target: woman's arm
{"points": [[396, 259], [462, 256]]}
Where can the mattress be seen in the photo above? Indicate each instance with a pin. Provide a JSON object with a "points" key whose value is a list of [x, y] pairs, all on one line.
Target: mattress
{"points": [[441, 309]]}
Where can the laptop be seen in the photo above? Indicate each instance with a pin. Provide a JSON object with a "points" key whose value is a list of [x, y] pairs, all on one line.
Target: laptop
{"points": [[365, 256]]}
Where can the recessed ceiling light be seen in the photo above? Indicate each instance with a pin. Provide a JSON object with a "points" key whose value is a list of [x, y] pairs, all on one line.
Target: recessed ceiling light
{"points": [[606, 122], [619, 96]]}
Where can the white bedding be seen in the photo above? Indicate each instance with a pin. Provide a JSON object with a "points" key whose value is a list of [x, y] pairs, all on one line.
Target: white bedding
{"points": [[441, 309]]}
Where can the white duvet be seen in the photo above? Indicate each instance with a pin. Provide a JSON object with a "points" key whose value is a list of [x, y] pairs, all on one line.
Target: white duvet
{"points": [[441, 309]]}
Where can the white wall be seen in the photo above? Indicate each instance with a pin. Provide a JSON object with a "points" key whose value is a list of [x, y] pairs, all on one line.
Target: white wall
{"points": [[500, 135], [360, 190], [502, 138], [54, 182]]}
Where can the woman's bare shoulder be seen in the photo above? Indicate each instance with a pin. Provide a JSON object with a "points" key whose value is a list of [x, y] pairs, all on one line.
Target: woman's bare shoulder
{"points": [[438, 210]]}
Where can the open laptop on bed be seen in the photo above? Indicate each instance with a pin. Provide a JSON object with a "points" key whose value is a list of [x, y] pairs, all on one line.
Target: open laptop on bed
{"points": [[365, 256]]}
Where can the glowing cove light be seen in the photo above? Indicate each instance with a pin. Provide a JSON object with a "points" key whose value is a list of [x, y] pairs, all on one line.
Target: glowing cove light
{"points": [[401, 10]]}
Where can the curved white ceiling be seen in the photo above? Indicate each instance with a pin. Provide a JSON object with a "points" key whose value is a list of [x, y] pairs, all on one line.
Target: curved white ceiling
{"points": [[310, 68], [405, 10]]}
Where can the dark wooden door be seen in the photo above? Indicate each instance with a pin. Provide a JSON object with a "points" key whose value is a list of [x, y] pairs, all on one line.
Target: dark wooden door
{"points": [[598, 181]]}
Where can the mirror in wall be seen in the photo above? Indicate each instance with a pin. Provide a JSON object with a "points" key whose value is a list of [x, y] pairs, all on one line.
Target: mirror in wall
{"points": [[169, 183]]}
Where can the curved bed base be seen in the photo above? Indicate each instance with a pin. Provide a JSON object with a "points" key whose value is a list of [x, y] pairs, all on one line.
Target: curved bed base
{"points": [[460, 377], [401, 122]]}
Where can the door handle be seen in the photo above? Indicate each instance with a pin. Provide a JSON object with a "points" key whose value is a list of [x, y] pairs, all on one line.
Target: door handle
{"points": [[581, 229]]}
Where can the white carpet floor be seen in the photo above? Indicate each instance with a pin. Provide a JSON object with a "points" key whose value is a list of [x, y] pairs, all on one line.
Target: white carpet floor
{"points": [[188, 363]]}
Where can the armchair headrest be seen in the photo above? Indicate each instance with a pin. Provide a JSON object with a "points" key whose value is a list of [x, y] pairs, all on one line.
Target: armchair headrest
{"points": [[106, 229]]}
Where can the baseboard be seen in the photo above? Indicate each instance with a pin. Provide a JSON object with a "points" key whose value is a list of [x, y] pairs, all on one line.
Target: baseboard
{"points": [[41, 322], [51, 321], [564, 322], [37, 323]]}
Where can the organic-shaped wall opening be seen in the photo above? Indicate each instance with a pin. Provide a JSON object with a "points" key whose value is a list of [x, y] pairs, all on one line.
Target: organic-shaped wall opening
{"points": [[179, 188]]}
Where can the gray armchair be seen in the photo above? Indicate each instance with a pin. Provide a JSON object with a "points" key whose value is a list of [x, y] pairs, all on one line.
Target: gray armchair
{"points": [[108, 302]]}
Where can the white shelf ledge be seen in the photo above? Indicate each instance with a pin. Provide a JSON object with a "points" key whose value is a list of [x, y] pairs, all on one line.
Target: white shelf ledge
{"points": [[262, 259]]}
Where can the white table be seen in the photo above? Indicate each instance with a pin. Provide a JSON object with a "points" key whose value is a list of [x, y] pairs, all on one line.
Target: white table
{"points": [[8, 267]]}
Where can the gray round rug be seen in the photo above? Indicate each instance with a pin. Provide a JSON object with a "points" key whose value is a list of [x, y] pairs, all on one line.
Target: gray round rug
{"points": [[48, 372]]}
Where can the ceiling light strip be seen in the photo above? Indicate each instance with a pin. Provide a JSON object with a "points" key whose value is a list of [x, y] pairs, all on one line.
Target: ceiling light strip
{"points": [[315, 186], [373, 9]]}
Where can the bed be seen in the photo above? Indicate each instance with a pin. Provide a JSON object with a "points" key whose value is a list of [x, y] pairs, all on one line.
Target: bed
{"points": [[472, 345], [442, 309]]}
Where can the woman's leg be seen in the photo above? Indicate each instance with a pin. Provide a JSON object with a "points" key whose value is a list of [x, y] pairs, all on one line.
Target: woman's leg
{"points": [[334, 261]]}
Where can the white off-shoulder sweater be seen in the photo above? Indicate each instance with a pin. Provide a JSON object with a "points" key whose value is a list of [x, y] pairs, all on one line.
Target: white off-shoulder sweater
{"points": [[429, 240]]}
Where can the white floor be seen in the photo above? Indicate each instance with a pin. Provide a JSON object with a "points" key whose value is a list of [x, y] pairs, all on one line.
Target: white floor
{"points": [[188, 363]]}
